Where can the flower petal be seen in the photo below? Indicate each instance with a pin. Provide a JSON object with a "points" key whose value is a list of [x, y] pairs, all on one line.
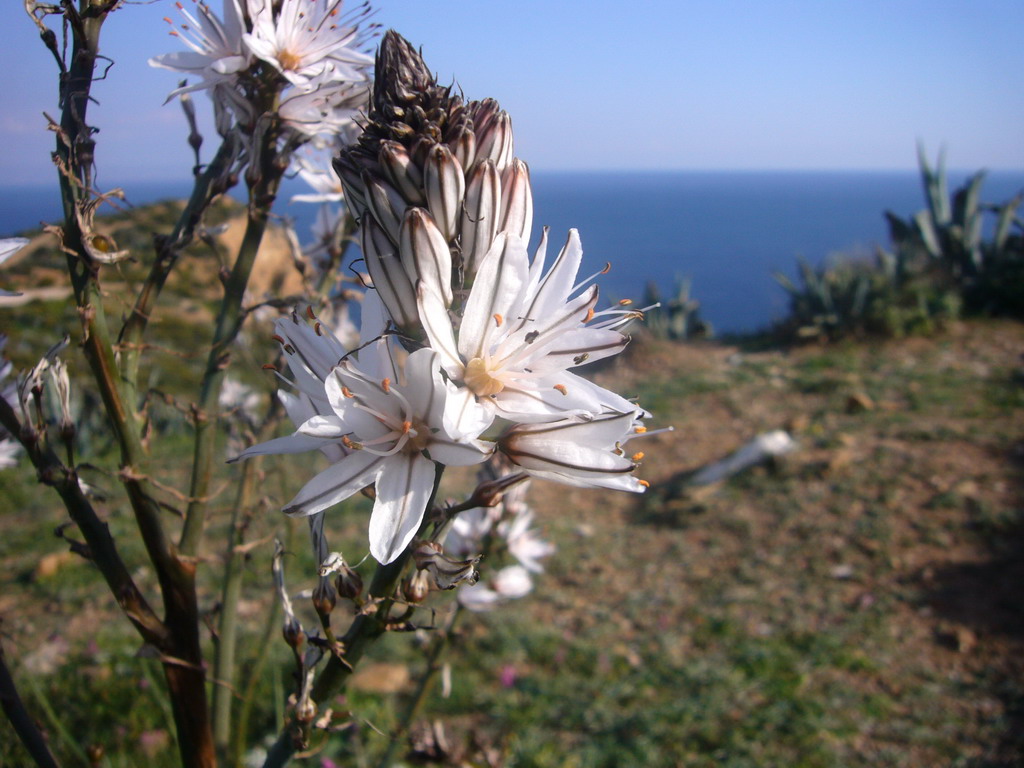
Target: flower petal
{"points": [[503, 271], [464, 416], [438, 327], [403, 489], [295, 443], [336, 483], [454, 453], [424, 387]]}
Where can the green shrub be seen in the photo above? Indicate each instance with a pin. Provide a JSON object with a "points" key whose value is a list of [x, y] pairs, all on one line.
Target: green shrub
{"points": [[938, 266]]}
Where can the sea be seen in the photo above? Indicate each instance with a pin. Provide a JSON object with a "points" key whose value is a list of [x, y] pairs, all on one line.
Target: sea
{"points": [[726, 232]]}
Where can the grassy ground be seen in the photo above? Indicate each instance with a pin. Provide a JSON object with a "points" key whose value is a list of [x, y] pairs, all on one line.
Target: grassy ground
{"points": [[855, 604]]}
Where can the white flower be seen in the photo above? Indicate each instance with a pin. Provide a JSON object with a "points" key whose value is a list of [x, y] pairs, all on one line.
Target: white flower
{"points": [[9, 451], [524, 542], [325, 183], [9, 448], [588, 454], [323, 106], [8, 248], [521, 330], [395, 433], [216, 54], [469, 529], [510, 583], [308, 39], [234, 395], [311, 351]]}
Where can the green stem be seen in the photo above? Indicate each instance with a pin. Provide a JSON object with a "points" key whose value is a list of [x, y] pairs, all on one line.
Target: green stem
{"points": [[271, 630], [229, 323], [227, 635]]}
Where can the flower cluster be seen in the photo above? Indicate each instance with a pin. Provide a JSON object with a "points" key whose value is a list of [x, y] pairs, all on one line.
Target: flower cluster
{"points": [[469, 345], [307, 54], [510, 524]]}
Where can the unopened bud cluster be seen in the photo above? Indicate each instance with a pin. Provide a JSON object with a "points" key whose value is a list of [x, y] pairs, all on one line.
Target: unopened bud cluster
{"points": [[433, 181]]}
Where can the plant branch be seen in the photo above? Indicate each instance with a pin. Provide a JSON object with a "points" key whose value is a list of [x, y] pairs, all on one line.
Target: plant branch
{"points": [[102, 548], [75, 160], [23, 724]]}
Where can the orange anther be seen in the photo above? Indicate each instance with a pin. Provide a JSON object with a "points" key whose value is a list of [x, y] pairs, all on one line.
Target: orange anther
{"points": [[406, 426], [625, 302], [590, 315], [316, 327], [638, 455], [277, 338], [346, 392], [386, 385], [640, 430], [310, 313], [269, 367], [644, 483], [498, 319], [561, 388], [607, 268]]}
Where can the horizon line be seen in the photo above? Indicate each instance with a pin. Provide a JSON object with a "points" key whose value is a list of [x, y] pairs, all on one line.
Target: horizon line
{"points": [[641, 169]]}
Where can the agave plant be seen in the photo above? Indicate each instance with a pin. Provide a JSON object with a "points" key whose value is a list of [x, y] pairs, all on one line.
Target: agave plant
{"points": [[676, 318], [947, 240], [938, 264]]}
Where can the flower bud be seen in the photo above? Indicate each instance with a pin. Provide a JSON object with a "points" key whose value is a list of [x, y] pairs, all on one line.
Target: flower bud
{"points": [[350, 173], [425, 254], [292, 633], [516, 200], [462, 142], [348, 583], [415, 588], [388, 275], [420, 149], [402, 172], [445, 186], [483, 114], [480, 214], [495, 142], [324, 598], [445, 572], [385, 204]]}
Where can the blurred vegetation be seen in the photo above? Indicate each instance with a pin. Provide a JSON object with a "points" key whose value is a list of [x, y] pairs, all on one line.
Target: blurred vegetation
{"points": [[676, 318], [804, 614], [956, 257], [798, 615]]}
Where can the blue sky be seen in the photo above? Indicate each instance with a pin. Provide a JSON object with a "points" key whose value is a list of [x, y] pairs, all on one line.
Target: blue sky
{"points": [[710, 84]]}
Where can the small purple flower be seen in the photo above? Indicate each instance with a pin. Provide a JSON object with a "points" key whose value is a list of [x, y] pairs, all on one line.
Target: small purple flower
{"points": [[508, 675]]}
